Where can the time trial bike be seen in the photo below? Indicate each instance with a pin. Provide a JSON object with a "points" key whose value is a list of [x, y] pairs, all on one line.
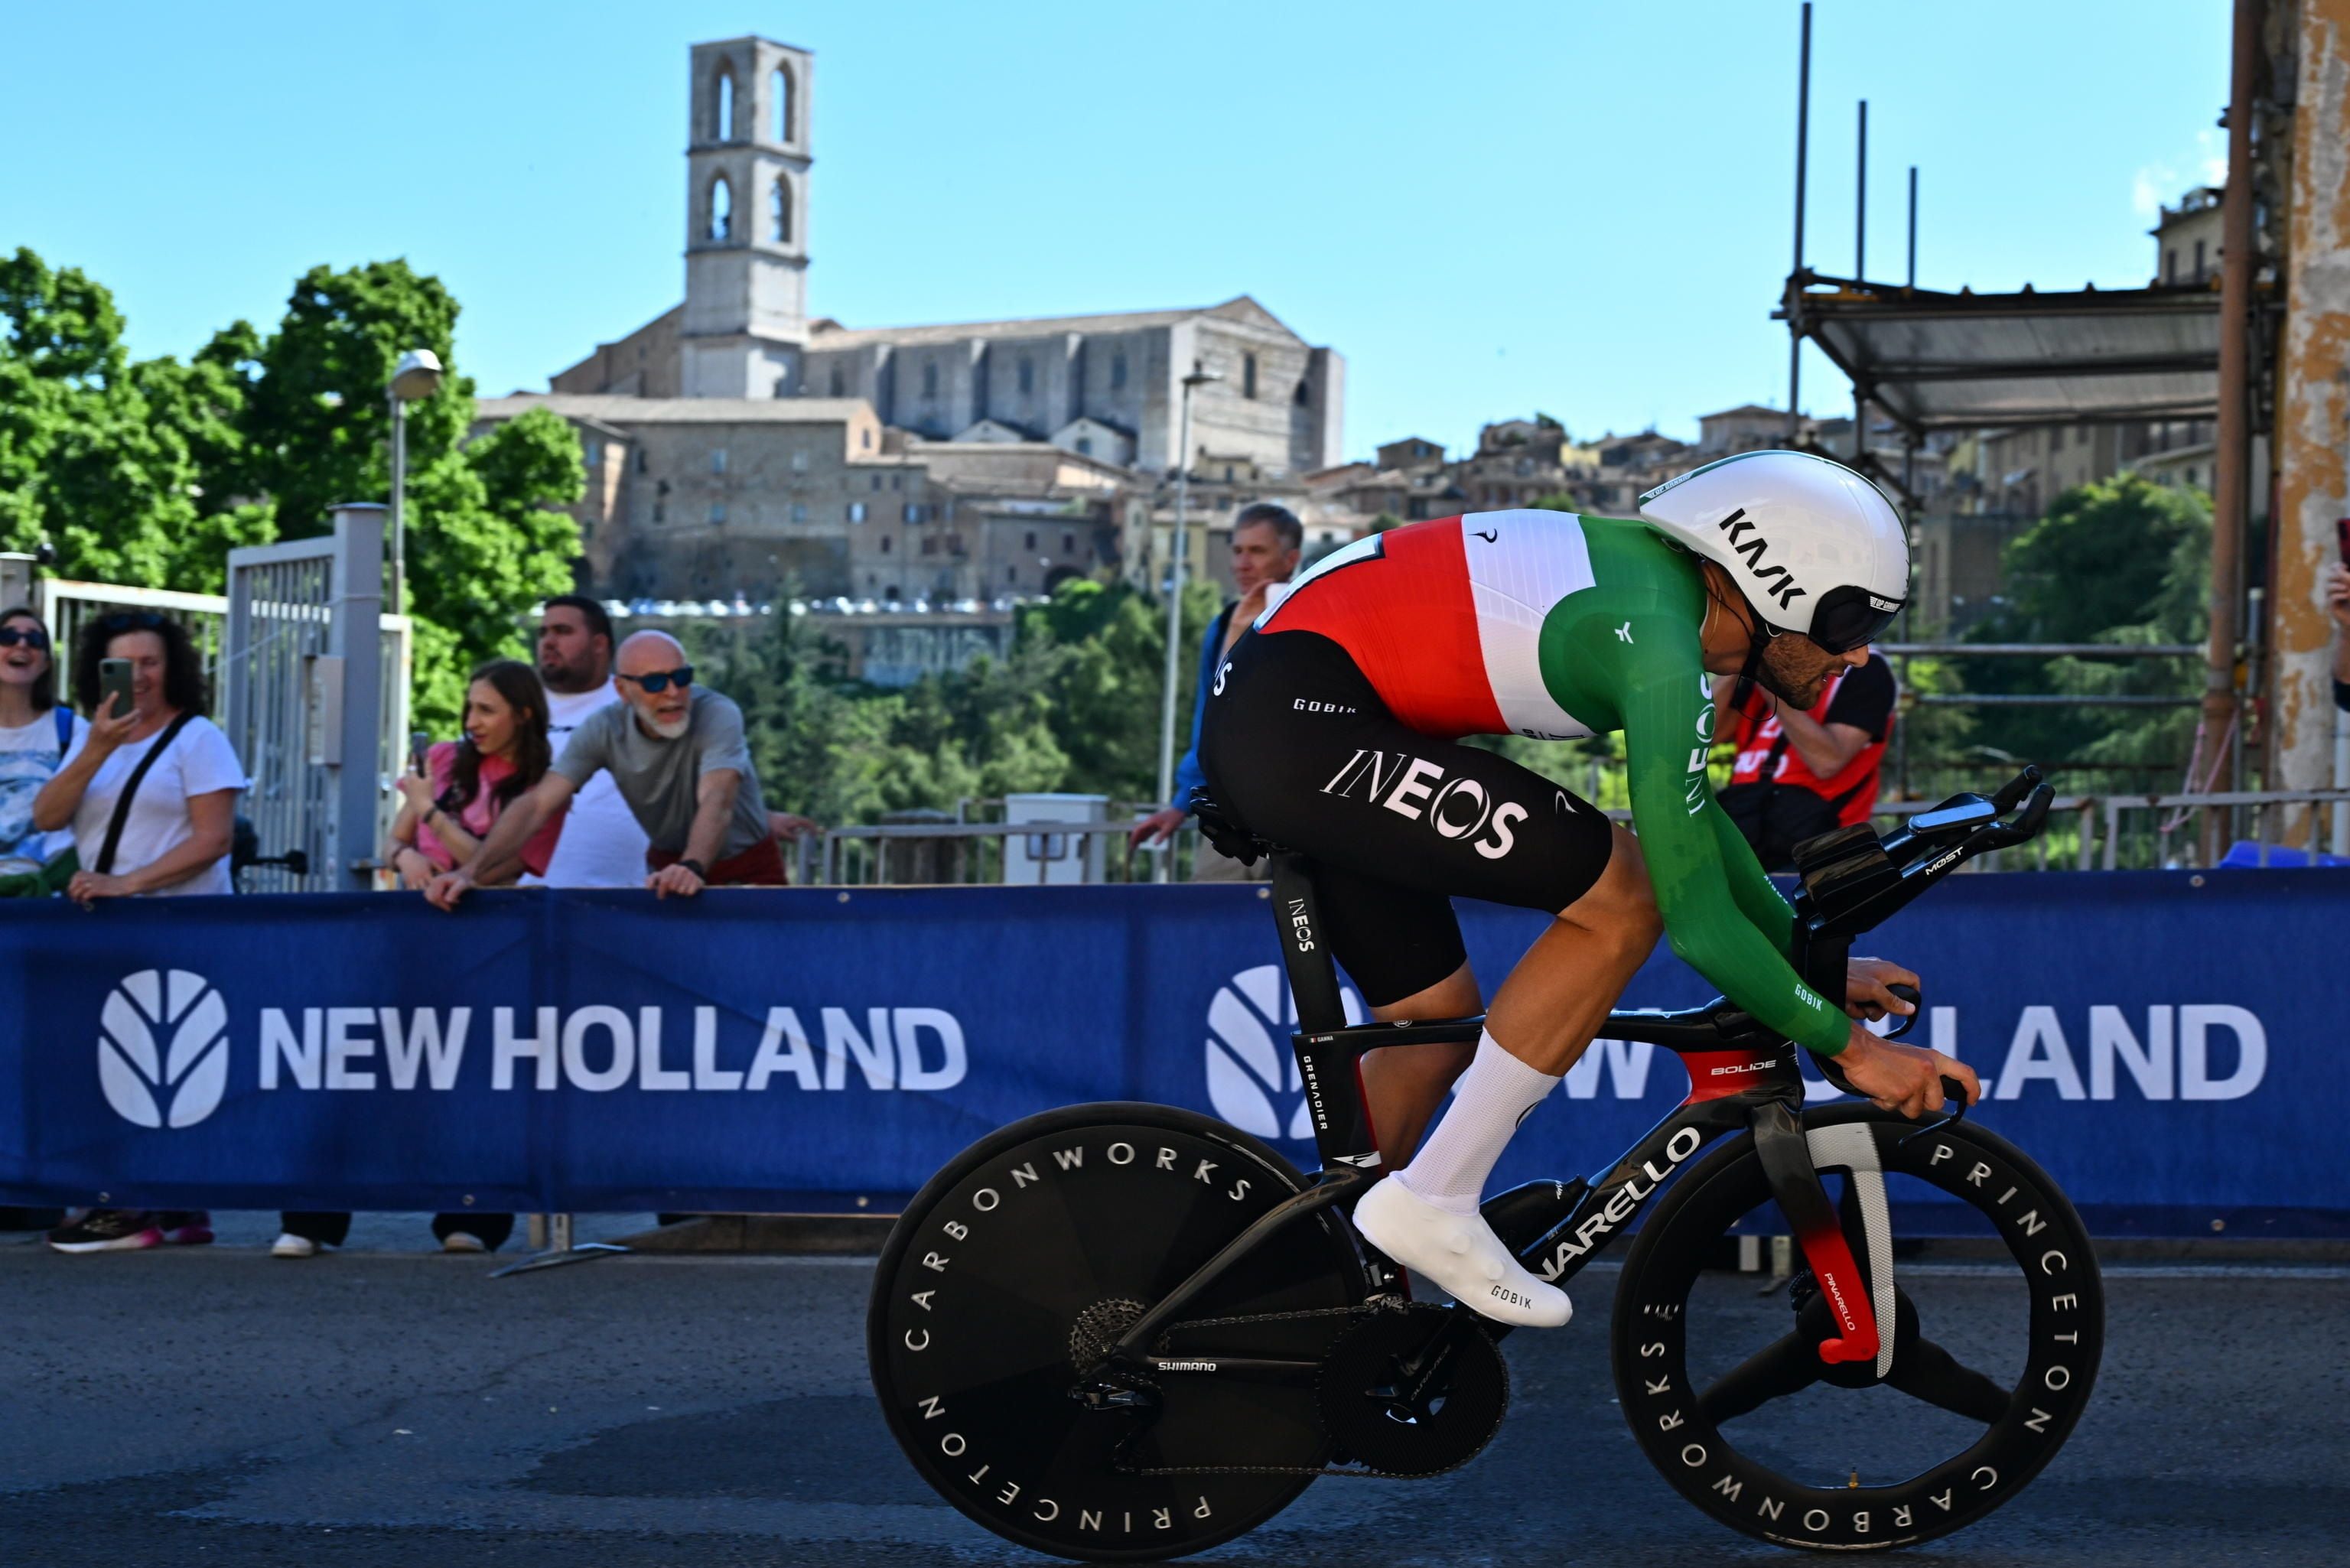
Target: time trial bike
{"points": [[1124, 1331]]}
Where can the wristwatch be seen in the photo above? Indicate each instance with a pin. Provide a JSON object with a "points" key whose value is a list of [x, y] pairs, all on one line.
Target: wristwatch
{"points": [[696, 867]]}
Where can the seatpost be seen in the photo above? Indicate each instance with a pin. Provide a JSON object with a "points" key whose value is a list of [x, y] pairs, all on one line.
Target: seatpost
{"points": [[1313, 976]]}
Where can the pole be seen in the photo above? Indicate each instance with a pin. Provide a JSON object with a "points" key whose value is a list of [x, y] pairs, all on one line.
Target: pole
{"points": [[2230, 456], [1860, 201], [1794, 288], [1174, 623], [1859, 271], [399, 504], [1913, 225]]}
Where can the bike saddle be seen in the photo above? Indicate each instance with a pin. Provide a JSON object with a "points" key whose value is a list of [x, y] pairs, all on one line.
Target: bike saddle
{"points": [[1231, 837]]}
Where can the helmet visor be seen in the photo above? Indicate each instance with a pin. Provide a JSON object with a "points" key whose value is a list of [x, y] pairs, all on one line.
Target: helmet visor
{"points": [[1849, 617]]}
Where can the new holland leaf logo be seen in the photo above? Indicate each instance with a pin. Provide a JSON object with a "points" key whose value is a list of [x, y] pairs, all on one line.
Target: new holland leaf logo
{"points": [[1253, 1077], [179, 1083]]}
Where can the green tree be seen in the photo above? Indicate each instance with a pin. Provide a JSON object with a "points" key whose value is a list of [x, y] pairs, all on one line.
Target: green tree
{"points": [[2122, 560], [482, 544], [110, 462]]}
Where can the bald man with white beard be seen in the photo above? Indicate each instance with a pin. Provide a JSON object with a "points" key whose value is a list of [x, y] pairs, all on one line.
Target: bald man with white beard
{"points": [[678, 753]]}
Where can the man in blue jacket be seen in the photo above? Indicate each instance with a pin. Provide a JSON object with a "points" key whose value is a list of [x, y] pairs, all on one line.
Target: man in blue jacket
{"points": [[1266, 541]]}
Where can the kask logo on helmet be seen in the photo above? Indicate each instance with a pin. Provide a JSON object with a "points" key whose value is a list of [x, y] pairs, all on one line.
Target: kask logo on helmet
{"points": [[1737, 524]]}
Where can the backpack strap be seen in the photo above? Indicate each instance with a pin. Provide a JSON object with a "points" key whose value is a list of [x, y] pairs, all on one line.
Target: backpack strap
{"points": [[105, 866], [64, 731]]}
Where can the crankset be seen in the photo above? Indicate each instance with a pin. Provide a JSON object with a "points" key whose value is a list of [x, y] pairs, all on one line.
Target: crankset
{"points": [[1414, 1391]]}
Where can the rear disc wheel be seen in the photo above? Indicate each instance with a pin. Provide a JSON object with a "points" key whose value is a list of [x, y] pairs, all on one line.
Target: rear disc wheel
{"points": [[1015, 1268]]}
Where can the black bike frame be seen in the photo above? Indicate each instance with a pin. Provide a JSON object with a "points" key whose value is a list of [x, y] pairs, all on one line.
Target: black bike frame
{"points": [[1741, 1079]]}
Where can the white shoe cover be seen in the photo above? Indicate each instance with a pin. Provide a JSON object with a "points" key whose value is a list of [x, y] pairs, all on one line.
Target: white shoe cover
{"points": [[1461, 1253]]}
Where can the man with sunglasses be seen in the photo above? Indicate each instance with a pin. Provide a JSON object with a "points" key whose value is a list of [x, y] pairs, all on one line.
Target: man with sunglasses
{"points": [[1333, 727], [679, 755]]}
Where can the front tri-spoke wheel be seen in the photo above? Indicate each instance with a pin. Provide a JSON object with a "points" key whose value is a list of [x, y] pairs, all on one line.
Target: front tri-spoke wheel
{"points": [[1987, 1349]]}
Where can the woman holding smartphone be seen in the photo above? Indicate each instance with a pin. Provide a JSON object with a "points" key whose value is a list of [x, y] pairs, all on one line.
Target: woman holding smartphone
{"points": [[150, 790]]}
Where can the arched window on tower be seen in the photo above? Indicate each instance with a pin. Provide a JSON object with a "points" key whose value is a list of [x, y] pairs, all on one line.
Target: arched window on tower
{"points": [[782, 83], [779, 210], [722, 209], [723, 130], [1248, 375], [930, 379]]}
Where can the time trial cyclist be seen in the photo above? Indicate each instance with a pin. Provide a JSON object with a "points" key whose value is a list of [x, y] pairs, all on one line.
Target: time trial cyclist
{"points": [[1333, 728]]}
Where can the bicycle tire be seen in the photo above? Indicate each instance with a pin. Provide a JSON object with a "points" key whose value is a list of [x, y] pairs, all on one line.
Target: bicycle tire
{"points": [[1649, 1337], [969, 1331]]}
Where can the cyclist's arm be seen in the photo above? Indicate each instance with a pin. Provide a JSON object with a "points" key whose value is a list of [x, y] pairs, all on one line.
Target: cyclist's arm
{"points": [[1718, 926], [1758, 899]]}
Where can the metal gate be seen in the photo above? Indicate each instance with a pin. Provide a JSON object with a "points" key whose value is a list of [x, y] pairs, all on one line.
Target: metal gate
{"points": [[317, 687]]}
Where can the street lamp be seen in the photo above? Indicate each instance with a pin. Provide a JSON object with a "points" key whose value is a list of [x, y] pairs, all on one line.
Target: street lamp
{"points": [[1200, 377], [416, 377]]}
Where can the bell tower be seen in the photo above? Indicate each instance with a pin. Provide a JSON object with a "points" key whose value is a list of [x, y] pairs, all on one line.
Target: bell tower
{"points": [[746, 163]]}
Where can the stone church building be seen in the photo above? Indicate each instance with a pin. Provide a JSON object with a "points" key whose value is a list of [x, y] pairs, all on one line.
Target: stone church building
{"points": [[735, 439]]}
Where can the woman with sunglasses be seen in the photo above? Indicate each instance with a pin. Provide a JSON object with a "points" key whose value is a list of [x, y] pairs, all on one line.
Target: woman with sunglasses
{"points": [[36, 733], [1334, 727]]}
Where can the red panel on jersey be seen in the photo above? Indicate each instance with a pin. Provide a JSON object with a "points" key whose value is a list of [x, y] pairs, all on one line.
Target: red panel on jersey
{"points": [[1410, 622]]}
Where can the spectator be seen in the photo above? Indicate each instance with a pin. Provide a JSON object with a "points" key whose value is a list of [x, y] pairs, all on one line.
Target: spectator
{"points": [[150, 795], [1799, 774], [1267, 540], [2337, 602], [35, 734], [601, 845], [444, 813], [678, 753]]}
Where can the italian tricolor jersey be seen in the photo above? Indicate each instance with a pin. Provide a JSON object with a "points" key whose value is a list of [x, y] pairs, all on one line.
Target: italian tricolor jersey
{"points": [[1553, 626], [1445, 619]]}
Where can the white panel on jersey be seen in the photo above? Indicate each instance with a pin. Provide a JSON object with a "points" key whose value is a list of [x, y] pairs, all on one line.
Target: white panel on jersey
{"points": [[1365, 548], [1520, 564]]}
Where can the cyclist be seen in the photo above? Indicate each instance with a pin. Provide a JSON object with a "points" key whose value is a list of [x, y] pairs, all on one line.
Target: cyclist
{"points": [[1333, 728]]}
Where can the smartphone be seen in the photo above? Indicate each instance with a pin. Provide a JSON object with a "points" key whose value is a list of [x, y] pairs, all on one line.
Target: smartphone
{"points": [[2342, 537], [419, 742], [113, 681]]}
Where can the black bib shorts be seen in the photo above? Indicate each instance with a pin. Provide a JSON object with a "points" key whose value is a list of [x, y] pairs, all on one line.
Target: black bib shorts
{"points": [[1299, 748]]}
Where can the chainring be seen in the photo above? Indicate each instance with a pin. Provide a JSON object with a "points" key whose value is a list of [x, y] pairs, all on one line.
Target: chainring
{"points": [[1384, 1410]]}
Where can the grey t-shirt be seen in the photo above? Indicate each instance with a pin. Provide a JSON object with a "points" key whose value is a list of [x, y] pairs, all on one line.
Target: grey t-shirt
{"points": [[658, 778]]}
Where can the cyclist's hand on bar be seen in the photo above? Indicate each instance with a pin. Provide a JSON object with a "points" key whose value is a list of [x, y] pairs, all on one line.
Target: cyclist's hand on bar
{"points": [[1903, 1078], [1865, 992]]}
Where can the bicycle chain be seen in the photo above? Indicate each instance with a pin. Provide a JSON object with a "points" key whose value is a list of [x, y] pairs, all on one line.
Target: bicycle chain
{"points": [[1362, 1472]]}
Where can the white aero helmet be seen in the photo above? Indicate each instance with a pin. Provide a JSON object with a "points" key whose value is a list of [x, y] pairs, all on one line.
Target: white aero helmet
{"points": [[1814, 547]]}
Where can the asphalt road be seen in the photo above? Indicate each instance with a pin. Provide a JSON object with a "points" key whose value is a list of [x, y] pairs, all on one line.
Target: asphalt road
{"points": [[388, 1407]]}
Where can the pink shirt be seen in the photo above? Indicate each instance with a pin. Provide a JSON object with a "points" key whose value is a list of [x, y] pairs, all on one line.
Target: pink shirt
{"points": [[480, 813]]}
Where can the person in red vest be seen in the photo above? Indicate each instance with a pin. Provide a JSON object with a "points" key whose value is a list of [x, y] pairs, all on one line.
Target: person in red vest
{"points": [[1800, 773]]}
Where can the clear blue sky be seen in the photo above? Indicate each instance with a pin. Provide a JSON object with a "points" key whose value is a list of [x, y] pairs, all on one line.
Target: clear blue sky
{"points": [[1576, 207]]}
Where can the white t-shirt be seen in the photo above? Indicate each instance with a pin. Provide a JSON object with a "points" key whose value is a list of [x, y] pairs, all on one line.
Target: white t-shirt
{"points": [[601, 845], [200, 762], [28, 759]]}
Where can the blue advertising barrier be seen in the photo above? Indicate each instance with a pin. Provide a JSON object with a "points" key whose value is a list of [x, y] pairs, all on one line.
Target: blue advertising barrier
{"points": [[2164, 1044]]}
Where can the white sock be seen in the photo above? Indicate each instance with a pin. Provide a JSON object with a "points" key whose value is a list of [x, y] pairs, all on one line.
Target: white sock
{"points": [[1492, 1097]]}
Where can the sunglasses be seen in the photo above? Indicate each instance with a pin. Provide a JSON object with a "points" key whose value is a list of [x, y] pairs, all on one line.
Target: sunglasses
{"points": [[659, 680], [1850, 617], [23, 635], [131, 620]]}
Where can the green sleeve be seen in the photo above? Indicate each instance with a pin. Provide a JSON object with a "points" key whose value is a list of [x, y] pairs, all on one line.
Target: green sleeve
{"points": [[1758, 900], [1713, 901]]}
